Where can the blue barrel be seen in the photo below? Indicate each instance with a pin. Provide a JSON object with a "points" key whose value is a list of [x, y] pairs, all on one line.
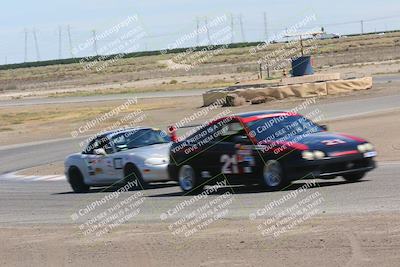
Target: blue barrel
{"points": [[302, 66]]}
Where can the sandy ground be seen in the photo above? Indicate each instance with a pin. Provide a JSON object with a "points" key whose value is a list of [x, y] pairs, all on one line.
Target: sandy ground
{"points": [[352, 56], [342, 240]]}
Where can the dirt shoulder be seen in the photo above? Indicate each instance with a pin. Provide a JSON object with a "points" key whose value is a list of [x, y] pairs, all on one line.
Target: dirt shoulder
{"points": [[379, 128], [342, 240]]}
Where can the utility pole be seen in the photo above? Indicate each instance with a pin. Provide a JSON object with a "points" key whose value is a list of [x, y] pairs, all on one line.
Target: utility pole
{"points": [[232, 30], [5, 60], [70, 41], [362, 27], [59, 42], [265, 27], [208, 32], [197, 31], [26, 45], [241, 28], [95, 42], [36, 45]]}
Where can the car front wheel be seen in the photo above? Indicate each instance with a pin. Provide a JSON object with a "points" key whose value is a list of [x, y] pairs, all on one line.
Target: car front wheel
{"points": [[353, 177], [273, 175], [133, 175], [76, 181], [188, 180]]}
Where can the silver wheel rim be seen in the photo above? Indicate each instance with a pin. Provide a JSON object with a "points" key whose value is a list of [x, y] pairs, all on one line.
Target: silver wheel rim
{"points": [[186, 178], [272, 173]]}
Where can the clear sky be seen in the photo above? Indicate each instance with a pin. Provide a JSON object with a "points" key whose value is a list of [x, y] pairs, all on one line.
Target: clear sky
{"points": [[166, 21]]}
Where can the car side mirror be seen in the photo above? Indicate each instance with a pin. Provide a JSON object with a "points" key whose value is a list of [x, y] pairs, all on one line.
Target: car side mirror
{"points": [[100, 152], [324, 127]]}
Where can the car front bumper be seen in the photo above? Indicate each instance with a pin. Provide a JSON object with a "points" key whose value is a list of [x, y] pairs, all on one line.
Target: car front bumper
{"points": [[330, 167], [154, 173]]}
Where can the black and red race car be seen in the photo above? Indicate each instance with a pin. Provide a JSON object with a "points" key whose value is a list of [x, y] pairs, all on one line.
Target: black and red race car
{"points": [[271, 148]]}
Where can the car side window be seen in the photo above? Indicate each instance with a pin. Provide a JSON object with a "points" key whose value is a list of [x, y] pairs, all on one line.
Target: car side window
{"points": [[107, 146], [231, 130], [94, 144], [100, 142]]}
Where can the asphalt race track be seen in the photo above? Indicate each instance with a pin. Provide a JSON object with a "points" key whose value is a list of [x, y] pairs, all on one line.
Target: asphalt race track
{"points": [[16, 157], [54, 202]]}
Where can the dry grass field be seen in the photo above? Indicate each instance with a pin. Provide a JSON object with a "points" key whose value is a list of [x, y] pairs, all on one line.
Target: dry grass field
{"points": [[352, 56]]}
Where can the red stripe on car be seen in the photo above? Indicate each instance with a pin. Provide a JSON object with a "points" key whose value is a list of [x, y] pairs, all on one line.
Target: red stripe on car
{"points": [[344, 153], [355, 138], [273, 115]]}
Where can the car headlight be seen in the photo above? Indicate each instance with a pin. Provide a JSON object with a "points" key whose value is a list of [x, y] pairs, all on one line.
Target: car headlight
{"points": [[311, 155], [319, 154], [365, 147], [156, 161]]}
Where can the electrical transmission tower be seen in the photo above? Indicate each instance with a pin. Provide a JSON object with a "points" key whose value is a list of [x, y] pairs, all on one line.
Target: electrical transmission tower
{"points": [[232, 29], [362, 27], [70, 41], [207, 30], [26, 45], [59, 42], [36, 45], [95, 42], [241, 28], [197, 31], [265, 27]]}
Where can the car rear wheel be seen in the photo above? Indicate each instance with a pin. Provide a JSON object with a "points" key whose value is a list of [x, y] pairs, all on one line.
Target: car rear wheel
{"points": [[188, 181], [353, 177], [76, 181], [273, 175]]}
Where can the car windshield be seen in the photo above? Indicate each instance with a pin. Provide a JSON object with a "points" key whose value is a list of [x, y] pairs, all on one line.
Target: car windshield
{"points": [[139, 138], [282, 128]]}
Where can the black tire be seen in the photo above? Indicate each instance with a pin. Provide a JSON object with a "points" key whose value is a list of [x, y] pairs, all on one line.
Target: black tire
{"points": [[76, 180], [273, 176], [132, 174], [189, 181], [354, 177]]}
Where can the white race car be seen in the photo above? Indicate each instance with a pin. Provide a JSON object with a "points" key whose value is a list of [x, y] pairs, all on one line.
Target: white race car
{"points": [[139, 155]]}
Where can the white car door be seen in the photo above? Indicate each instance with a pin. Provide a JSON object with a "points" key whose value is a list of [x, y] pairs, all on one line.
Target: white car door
{"points": [[99, 161]]}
